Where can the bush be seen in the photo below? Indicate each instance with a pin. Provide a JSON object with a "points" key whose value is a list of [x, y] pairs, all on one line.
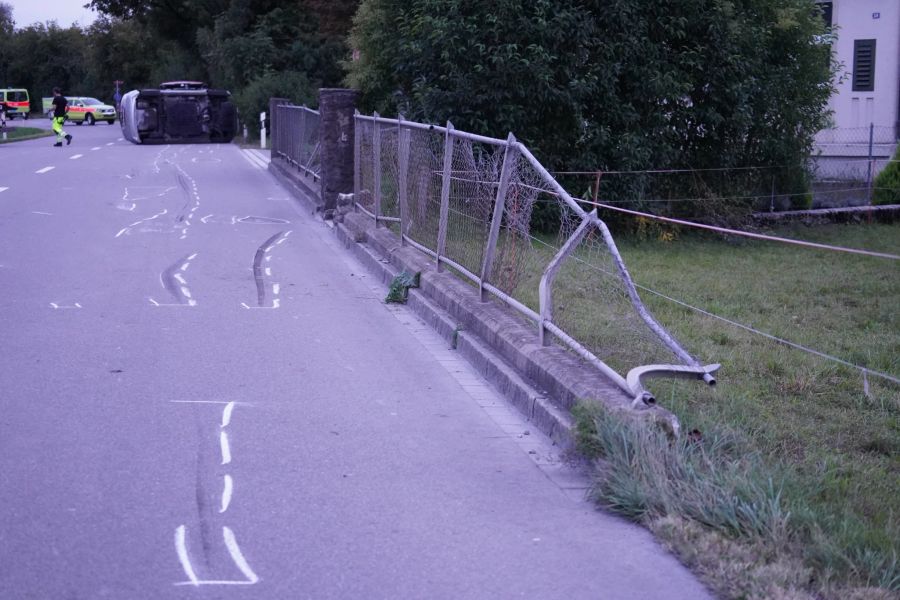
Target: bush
{"points": [[254, 98], [887, 184], [612, 86]]}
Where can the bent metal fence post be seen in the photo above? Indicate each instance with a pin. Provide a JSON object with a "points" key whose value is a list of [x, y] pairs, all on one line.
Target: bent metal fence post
{"points": [[467, 201], [509, 161]]}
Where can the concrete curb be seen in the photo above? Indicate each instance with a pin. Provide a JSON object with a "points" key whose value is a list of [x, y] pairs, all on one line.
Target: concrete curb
{"points": [[543, 382], [549, 381], [531, 402], [303, 188]]}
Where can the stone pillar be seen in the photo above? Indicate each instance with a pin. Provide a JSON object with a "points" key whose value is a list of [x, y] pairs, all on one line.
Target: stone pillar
{"points": [[273, 124], [336, 107]]}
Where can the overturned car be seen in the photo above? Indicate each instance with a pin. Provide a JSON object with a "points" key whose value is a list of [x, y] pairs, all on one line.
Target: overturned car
{"points": [[178, 112]]}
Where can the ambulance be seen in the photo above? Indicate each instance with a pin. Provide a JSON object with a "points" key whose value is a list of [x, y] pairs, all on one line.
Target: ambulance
{"points": [[17, 102]]}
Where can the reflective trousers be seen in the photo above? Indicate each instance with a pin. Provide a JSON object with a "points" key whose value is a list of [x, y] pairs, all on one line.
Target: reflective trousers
{"points": [[57, 128]]}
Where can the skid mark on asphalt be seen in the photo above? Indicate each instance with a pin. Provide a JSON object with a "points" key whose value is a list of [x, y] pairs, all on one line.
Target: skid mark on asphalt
{"points": [[174, 282], [261, 273], [228, 537]]}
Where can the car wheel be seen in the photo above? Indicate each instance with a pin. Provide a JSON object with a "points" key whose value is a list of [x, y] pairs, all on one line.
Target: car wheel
{"points": [[79, 123], [89, 119]]}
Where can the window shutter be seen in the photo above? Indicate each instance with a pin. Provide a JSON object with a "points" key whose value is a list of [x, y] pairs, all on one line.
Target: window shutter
{"points": [[864, 65]]}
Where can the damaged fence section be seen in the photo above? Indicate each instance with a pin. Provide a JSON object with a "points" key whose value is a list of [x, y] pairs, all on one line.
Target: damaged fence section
{"points": [[296, 138], [486, 209]]}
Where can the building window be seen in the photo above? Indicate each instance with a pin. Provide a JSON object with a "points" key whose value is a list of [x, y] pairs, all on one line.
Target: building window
{"points": [[864, 65], [827, 10]]}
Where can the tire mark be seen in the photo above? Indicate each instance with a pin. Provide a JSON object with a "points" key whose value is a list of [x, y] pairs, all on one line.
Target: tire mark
{"points": [[259, 273]]}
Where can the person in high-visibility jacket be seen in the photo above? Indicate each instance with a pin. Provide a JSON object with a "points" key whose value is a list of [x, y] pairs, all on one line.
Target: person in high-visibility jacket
{"points": [[59, 117]]}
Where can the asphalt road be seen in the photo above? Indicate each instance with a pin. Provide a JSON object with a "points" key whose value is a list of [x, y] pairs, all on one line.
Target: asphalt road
{"points": [[203, 396]]}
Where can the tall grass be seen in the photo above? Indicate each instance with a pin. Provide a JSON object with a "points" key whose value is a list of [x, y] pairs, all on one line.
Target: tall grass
{"points": [[742, 522], [813, 437]]}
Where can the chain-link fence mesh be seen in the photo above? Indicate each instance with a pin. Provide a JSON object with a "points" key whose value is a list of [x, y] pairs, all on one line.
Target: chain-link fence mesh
{"points": [[590, 296], [390, 169], [297, 137], [474, 178], [423, 184], [591, 304], [365, 169]]}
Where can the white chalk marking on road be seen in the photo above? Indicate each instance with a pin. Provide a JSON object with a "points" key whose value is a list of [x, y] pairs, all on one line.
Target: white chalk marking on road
{"points": [[226, 414], [189, 304], [37, 212], [226, 493], [215, 582], [63, 307], [275, 304], [181, 549], [136, 223], [268, 271], [192, 256], [44, 170], [185, 291], [268, 257], [75, 156], [109, 143], [177, 277], [276, 287], [211, 402], [3, 189], [237, 557], [185, 266], [95, 148], [204, 219], [226, 449]]}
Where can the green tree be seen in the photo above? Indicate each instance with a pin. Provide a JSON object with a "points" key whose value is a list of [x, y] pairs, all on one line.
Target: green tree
{"points": [[44, 56], [609, 84]]}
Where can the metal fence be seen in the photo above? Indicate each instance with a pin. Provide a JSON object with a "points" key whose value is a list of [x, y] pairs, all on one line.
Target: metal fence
{"points": [[297, 138], [472, 203]]}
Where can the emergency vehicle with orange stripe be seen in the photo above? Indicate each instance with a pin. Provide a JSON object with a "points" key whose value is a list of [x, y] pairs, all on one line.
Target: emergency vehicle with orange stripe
{"points": [[17, 102], [82, 109]]}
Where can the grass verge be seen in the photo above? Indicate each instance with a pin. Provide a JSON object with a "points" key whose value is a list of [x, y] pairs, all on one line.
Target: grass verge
{"points": [[738, 520], [791, 486], [21, 134]]}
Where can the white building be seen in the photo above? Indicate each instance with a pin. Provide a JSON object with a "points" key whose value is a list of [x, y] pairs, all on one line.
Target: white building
{"points": [[868, 95]]}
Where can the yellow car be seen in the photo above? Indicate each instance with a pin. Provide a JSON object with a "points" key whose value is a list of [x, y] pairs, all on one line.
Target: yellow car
{"points": [[84, 110]]}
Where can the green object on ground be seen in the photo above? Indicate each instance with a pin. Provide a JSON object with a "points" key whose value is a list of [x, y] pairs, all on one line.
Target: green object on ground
{"points": [[399, 290]]}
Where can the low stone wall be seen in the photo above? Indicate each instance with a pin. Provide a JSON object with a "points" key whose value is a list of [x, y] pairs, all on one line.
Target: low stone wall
{"points": [[303, 187], [543, 382]]}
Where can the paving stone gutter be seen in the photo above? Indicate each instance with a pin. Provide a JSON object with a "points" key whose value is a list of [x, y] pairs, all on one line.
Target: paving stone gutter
{"points": [[543, 382]]}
